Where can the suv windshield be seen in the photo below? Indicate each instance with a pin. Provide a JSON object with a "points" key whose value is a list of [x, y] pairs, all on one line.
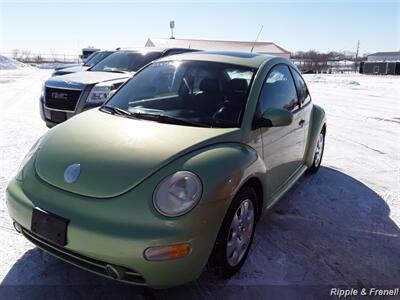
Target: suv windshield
{"points": [[96, 57], [194, 92], [125, 61]]}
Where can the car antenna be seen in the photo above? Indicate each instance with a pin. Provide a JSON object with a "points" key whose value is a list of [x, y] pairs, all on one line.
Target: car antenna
{"points": [[255, 41]]}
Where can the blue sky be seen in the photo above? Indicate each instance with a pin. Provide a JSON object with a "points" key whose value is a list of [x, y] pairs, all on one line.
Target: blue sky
{"points": [[67, 26]]}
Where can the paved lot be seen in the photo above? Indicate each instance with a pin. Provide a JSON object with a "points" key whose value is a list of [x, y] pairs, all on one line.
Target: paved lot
{"points": [[338, 227]]}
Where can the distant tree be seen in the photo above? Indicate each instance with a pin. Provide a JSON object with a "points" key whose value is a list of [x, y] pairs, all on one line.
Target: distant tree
{"points": [[320, 56], [325, 62], [54, 54], [38, 59], [15, 54], [25, 55]]}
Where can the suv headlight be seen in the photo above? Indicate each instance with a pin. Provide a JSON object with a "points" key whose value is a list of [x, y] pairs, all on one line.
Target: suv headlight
{"points": [[177, 194], [43, 90], [28, 156], [100, 93]]}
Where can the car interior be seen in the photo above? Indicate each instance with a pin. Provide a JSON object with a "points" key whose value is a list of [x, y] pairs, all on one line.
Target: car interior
{"points": [[209, 97]]}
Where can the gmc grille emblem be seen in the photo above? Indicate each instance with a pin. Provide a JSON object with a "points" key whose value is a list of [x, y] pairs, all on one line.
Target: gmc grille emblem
{"points": [[61, 96]]}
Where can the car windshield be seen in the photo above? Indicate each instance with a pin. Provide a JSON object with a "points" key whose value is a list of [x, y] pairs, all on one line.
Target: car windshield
{"points": [[96, 57], [194, 92], [125, 61]]}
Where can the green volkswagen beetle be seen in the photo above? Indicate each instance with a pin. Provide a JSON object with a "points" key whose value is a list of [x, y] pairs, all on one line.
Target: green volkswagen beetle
{"points": [[171, 174]]}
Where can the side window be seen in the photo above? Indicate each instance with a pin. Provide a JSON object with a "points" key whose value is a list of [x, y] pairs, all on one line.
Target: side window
{"points": [[304, 95], [279, 90]]}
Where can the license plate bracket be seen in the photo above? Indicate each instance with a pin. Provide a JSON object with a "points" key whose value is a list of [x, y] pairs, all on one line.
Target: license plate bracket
{"points": [[49, 226], [58, 116]]}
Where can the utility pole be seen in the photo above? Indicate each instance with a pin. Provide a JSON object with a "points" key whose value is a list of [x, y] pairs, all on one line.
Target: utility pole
{"points": [[172, 26], [355, 64]]}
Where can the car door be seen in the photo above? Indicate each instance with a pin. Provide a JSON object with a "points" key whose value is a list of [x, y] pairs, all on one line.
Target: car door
{"points": [[305, 101], [283, 147]]}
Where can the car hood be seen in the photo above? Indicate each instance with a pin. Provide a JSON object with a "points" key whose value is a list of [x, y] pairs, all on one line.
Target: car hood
{"points": [[74, 69], [116, 153], [89, 77], [67, 66]]}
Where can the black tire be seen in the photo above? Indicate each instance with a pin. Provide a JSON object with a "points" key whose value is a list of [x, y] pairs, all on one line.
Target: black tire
{"points": [[218, 262], [315, 165]]}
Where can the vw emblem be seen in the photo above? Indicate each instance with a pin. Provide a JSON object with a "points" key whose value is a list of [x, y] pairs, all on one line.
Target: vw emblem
{"points": [[72, 172]]}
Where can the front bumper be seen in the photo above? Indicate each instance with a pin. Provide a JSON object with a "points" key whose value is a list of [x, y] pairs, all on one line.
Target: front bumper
{"points": [[97, 237], [95, 266]]}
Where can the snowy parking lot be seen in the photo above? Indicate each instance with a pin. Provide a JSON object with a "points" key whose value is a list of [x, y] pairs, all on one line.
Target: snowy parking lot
{"points": [[339, 227]]}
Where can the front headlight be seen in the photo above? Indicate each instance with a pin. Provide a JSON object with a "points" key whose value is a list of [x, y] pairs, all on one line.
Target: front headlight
{"points": [[178, 193], [100, 93], [28, 156], [42, 91]]}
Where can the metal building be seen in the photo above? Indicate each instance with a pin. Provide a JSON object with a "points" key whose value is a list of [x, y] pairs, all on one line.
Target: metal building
{"points": [[260, 47], [381, 63]]}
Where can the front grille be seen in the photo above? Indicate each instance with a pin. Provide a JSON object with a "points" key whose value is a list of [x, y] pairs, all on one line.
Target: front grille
{"points": [[62, 99], [90, 264]]}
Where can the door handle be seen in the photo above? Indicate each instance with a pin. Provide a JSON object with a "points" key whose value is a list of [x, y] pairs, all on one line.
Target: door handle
{"points": [[301, 123]]}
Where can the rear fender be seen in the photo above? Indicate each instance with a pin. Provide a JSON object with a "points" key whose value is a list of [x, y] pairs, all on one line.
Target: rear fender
{"points": [[317, 122]]}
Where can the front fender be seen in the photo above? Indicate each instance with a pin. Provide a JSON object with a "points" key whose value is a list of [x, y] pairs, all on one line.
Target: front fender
{"points": [[317, 122], [222, 168]]}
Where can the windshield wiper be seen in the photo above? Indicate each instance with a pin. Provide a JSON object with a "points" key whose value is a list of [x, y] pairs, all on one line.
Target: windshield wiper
{"points": [[166, 119], [152, 117], [117, 110]]}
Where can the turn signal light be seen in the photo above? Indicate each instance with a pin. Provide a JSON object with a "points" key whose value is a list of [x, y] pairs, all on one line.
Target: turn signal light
{"points": [[167, 252]]}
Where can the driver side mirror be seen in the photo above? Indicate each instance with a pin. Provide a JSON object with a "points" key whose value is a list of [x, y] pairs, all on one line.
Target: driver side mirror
{"points": [[275, 117]]}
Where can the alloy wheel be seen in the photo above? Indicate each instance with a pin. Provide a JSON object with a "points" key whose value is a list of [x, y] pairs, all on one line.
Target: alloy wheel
{"points": [[318, 149], [240, 232]]}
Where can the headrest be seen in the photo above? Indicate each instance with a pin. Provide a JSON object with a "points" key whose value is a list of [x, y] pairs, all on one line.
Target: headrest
{"points": [[209, 85], [238, 85]]}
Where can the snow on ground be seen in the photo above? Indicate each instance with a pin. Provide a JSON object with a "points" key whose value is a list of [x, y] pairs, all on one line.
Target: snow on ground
{"points": [[10, 64], [340, 227]]}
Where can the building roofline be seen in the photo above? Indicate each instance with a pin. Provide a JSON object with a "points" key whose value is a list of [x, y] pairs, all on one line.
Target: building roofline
{"points": [[385, 53], [223, 41]]}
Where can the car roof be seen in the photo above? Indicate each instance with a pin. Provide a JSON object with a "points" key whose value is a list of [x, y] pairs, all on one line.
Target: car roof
{"points": [[248, 59], [152, 49]]}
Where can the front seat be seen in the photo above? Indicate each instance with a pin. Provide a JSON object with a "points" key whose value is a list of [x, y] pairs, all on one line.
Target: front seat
{"points": [[209, 98], [236, 93]]}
